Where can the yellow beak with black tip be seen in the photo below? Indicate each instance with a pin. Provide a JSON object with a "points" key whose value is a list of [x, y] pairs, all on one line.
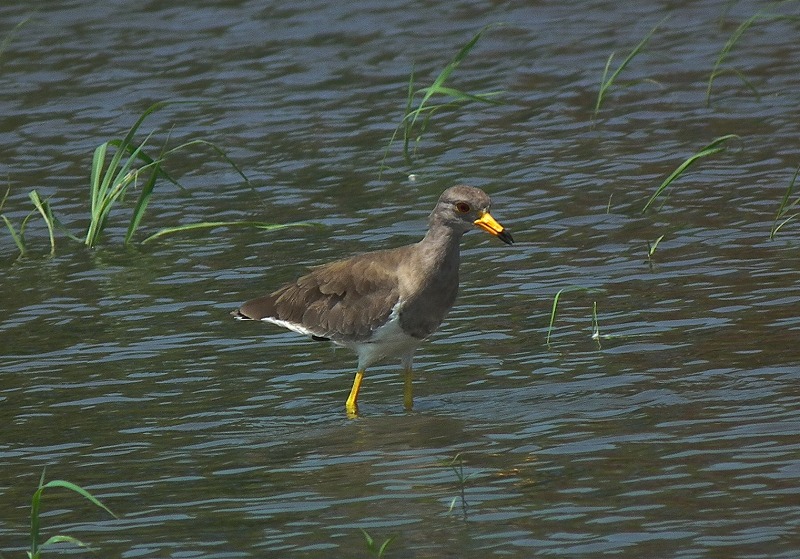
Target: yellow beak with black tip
{"points": [[491, 226]]}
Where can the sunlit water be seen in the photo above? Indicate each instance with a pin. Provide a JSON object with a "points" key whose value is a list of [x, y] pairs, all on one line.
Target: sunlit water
{"points": [[674, 433]]}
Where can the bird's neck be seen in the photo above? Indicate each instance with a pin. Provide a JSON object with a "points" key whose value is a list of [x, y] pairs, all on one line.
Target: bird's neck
{"points": [[442, 238], [441, 245]]}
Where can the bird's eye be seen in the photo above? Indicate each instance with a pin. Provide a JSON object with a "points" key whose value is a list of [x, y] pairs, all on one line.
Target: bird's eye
{"points": [[462, 207]]}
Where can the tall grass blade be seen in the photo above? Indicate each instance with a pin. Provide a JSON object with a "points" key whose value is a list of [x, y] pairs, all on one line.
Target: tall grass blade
{"points": [[450, 68], [14, 235], [36, 501], [717, 69], [35, 523], [723, 54], [157, 171], [5, 197], [96, 176], [785, 207], [17, 237], [214, 224], [715, 146], [410, 125], [58, 539], [606, 83], [43, 207], [79, 490], [651, 247], [141, 203]]}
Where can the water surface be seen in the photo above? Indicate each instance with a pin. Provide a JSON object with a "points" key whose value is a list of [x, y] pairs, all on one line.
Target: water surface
{"points": [[675, 434]]}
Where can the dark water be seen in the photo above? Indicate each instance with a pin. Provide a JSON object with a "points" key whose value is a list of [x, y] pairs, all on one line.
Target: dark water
{"points": [[675, 434]]}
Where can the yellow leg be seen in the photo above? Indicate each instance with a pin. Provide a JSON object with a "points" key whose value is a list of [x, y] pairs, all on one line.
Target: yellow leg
{"points": [[352, 401], [408, 390]]}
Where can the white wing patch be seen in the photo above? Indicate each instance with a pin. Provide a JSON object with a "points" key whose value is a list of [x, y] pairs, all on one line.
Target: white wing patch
{"points": [[295, 327]]}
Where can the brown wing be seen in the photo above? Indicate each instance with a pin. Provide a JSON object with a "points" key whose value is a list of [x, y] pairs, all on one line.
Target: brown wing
{"points": [[346, 299]]}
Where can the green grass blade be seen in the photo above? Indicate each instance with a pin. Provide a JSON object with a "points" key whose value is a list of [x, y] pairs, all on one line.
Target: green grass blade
{"points": [[17, 237], [464, 97], [80, 491], [135, 155], [157, 171], [96, 176], [726, 49], [437, 87], [157, 106], [554, 310], [778, 227], [437, 84], [63, 228], [651, 247], [141, 203], [110, 182], [450, 68], [148, 161], [405, 123], [214, 147], [215, 224], [712, 148], [605, 84], [36, 501], [5, 197], [63, 539], [384, 546], [785, 207], [43, 207], [717, 71]]}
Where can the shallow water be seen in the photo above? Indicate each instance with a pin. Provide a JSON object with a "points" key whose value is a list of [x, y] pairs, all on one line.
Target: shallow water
{"points": [[675, 434]]}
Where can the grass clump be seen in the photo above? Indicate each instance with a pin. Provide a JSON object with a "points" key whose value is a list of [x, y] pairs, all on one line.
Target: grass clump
{"points": [[607, 81], [420, 107], [786, 206], [37, 547], [716, 146], [119, 166], [112, 177], [377, 550]]}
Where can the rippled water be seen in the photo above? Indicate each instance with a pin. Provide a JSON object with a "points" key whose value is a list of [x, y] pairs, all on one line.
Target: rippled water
{"points": [[675, 434]]}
